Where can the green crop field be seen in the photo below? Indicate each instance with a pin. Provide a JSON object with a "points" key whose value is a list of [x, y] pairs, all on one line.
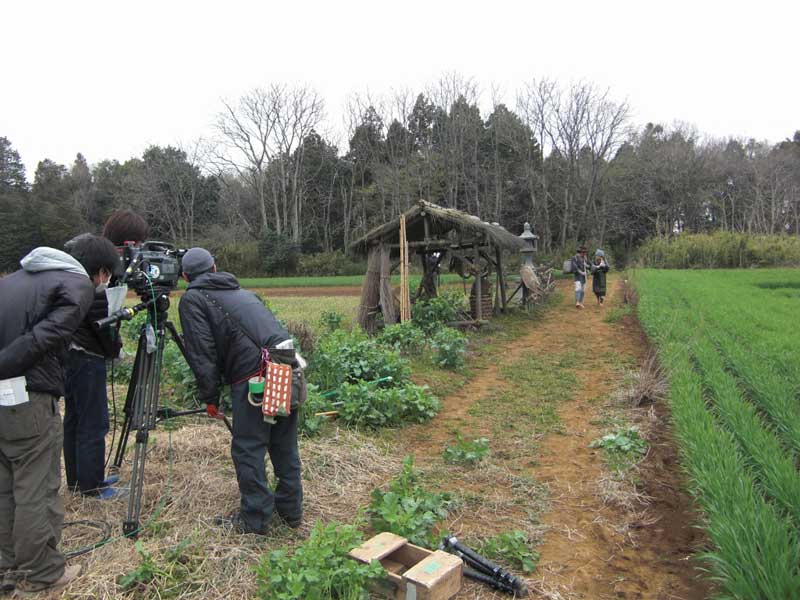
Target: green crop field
{"points": [[319, 281], [729, 341]]}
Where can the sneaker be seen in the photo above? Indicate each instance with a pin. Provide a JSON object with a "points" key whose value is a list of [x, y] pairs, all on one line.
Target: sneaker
{"points": [[110, 480], [32, 588], [111, 493]]}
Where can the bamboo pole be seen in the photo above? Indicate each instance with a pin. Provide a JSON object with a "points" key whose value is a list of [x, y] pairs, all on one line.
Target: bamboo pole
{"points": [[405, 298]]}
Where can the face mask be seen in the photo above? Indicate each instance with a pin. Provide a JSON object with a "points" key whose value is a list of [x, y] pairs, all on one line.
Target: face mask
{"points": [[102, 287]]}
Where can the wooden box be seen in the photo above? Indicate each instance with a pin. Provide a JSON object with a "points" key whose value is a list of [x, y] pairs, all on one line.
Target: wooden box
{"points": [[412, 573]]}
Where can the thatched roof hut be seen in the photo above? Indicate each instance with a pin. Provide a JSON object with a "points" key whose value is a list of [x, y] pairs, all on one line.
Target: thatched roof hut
{"points": [[433, 233], [442, 223]]}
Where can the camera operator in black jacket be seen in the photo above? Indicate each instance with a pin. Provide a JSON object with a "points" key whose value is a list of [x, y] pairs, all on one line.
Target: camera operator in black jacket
{"points": [[43, 304], [85, 399], [225, 329]]}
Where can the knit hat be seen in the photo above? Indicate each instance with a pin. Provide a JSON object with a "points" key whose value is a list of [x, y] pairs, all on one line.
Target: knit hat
{"points": [[196, 260], [599, 253]]}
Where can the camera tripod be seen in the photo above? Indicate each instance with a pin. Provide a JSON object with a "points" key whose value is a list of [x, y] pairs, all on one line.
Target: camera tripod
{"points": [[482, 569], [141, 411]]}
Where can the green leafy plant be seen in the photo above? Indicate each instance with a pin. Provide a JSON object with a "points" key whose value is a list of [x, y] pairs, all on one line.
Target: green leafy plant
{"points": [[403, 337], [467, 452], [513, 547], [407, 509], [344, 356], [171, 576], [366, 405], [318, 569], [330, 320], [624, 441], [450, 346], [308, 423], [430, 314]]}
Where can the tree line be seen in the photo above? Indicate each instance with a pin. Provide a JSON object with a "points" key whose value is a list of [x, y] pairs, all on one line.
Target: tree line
{"points": [[566, 158]]}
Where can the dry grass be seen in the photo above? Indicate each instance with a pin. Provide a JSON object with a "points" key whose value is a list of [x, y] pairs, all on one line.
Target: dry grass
{"points": [[181, 500], [648, 385]]}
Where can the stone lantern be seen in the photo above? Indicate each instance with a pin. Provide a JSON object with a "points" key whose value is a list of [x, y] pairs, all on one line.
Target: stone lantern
{"points": [[531, 245]]}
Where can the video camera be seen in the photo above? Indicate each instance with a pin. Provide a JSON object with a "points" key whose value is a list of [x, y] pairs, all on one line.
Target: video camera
{"points": [[150, 264]]}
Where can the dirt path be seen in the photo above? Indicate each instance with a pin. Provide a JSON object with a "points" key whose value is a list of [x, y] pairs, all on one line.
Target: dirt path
{"points": [[592, 548]]}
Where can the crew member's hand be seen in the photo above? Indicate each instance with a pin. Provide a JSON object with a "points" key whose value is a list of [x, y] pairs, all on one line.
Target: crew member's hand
{"points": [[214, 412]]}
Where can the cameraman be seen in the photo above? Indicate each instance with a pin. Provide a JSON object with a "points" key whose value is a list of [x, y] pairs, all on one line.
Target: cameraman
{"points": [[43, 305], [225, 329], [85, 399]]}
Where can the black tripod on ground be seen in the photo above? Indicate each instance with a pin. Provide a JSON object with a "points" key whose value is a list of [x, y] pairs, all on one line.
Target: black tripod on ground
{"points": [[141, 403], [482, 569]]}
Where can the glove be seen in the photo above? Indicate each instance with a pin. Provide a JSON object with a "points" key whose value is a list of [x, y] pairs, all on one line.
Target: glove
{"points": [[213, 411]]}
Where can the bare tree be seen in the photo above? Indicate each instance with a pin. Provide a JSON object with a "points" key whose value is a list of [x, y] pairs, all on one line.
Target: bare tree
{"points": [[260, 139]]}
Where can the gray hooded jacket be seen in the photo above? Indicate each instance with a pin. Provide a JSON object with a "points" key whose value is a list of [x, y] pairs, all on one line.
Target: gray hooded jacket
{"points": [[42, 305]]}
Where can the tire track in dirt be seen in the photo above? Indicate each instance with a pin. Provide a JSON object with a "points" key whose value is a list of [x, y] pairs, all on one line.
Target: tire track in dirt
{"points": [[591, 550]]}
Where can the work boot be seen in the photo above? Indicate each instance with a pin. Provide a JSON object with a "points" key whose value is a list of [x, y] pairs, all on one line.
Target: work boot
{"points": [[234, 523], [27, 589], [292, 523], [8, 580]]}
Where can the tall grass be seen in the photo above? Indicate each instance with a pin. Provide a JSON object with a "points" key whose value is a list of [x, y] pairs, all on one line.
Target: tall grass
{"points": [[741, 473], [719, 250]]}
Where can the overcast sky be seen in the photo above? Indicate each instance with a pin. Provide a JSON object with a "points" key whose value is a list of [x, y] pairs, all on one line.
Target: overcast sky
{"points": [[110, 78]]}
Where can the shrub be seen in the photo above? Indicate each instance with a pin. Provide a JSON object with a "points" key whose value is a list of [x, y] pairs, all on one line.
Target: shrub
{"points": [[366, 405], [431, 313], [343, 356], [330, 320], [279, 254], [450, 347], [403, 337], [407, 509], [318, 569], [720, 250], [241, 258], [329, 263]]}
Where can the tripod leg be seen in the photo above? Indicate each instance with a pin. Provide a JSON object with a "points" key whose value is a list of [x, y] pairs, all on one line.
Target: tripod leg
{"points": [[145, 408], [122, 443]]}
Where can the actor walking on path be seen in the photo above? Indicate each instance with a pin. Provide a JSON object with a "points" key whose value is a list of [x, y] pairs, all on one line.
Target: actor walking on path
{"points": [[43, 305], [227, 330], [580, 267], [599, 270]]}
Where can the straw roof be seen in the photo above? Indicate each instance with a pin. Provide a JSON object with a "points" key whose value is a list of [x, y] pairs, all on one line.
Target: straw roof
{"points": [[442, 221]]}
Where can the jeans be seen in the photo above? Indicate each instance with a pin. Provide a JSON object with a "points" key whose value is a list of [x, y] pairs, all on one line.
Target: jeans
{"points": [[85, 421], [252, 439], [579, 291]]}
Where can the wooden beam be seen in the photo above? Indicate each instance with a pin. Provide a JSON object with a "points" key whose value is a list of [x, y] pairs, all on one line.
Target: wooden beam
{"points": [[501, 278], [478, 286]]}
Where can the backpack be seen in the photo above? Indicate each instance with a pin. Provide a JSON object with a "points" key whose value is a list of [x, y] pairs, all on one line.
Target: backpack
{"points": [[568, 265]]}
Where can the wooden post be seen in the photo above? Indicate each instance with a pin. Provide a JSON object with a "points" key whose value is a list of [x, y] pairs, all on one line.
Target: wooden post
{"points": [[501, 279], [479, 286]]}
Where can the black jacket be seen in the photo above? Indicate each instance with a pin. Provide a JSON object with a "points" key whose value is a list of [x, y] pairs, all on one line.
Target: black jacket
{"points": [[105, 342], [599, 278], [217, 348], [42, 306]]}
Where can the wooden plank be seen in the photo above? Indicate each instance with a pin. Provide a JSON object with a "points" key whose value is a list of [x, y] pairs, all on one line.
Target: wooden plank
{"points": [[501, 278], [377, 547]]}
